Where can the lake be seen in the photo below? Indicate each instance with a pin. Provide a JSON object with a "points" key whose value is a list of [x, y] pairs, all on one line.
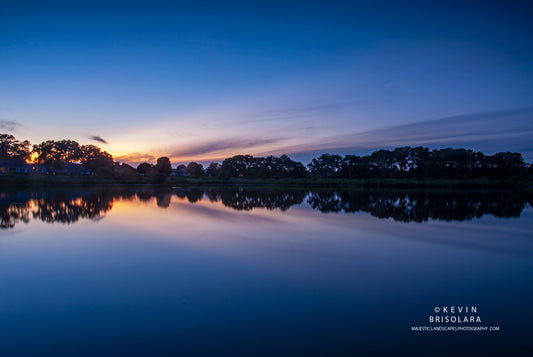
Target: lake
{"points": [[259, 271]]}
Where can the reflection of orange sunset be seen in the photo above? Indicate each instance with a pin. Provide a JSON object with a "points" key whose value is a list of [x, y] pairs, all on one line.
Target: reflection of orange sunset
{"points": [[190, 219]]}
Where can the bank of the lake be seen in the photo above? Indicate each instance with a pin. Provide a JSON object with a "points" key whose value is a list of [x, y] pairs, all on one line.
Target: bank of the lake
{"points": [[25, 180]]}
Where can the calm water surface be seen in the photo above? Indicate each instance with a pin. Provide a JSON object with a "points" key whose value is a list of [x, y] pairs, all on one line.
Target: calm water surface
{"points": [[263, 272]]}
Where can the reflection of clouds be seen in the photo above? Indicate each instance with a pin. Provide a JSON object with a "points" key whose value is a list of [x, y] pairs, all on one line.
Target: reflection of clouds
{"points": [[411, 206], [303, 224], [488, 235], [262, 218], [209, 210]]}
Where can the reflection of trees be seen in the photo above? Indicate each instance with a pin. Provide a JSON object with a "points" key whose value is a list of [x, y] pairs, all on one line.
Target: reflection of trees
{"points": [[69, 208], [257, 198], [325, 201], [13, 214], [194, 195], [191, 194], [419, 206], [245, 199], [127, 193], [144, 195], [411, 206], [64, 207], [163, 198]]}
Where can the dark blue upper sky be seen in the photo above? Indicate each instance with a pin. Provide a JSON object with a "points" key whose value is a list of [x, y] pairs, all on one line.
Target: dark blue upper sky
{"points": [[207, 79]]}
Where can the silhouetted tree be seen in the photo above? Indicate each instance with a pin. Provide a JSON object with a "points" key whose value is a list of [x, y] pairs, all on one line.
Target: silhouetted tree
{"points": [[326, 165], [123, 170], [213, 169], [419, 162], [236, 166], [506, 164], [360, 170], [12, 149], [163, 166], [144, 168], [97, 160], [261, 167], [57, 153], [283, 166], [194, 169]]}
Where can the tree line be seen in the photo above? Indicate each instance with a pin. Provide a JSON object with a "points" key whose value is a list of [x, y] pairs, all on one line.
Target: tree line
{"points": [[421, 162], [404, 162], [56, 153]]}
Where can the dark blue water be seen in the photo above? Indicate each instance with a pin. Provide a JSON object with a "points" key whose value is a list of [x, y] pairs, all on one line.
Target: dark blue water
{"points": [[263, 272]]}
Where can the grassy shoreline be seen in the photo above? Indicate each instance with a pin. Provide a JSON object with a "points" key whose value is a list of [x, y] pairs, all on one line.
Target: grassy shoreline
{"points": [[45, 181]]}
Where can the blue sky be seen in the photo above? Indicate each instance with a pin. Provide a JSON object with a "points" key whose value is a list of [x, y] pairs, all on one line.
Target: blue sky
{"points": [[205, 80]]}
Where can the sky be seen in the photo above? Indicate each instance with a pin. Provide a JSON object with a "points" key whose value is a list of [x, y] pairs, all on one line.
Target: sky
{"points": [[205, 80]]}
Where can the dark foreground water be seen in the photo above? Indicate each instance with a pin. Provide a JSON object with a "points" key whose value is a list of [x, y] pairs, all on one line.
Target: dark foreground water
{"points": [[264, 272]]}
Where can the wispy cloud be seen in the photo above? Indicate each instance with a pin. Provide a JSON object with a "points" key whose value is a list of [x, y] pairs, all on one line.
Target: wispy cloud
{"points": [[494, 130], [489, 131], [135, 158], [98, 138], [9, 125], [210, 147], [207, 150], [295, 112]]}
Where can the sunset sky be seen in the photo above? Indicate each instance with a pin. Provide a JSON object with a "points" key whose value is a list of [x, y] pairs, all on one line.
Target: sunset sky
{"points": [[204, 80]]}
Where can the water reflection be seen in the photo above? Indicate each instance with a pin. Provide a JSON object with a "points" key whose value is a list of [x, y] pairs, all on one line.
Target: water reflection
{"points": [[419, 206], [63, 207], [196, 271], [404, 206]]}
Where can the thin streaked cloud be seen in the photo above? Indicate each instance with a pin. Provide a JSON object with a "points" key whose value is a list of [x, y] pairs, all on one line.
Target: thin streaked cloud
{"points": [[488, 131], [98, 138], [136, 157], [9, 125], [234, 144]]}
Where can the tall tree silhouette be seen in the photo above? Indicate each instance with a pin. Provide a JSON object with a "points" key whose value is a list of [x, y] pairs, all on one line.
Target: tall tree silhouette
{"points": [[11, 148], [163, 166]]}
